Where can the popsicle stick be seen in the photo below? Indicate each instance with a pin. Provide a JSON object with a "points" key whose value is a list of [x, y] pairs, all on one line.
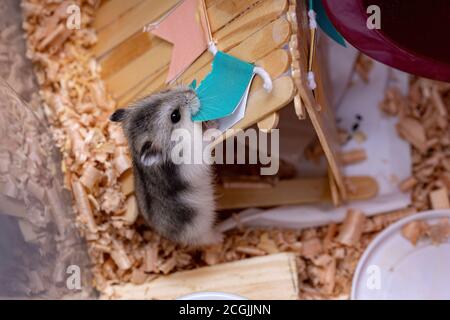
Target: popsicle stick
{"points": [[259, 44], [299, 107], [269, 123], [133, 73], [323, 122], [275, 64], [335, 197], [137, 44], [129, 23], [142, 49], [291, 192], [111, 10], [271, 277], [210, 3], [439, 199], [136, 18], [224, 11], [261, 104], [250, 20], [140, 72], [325, 126]]}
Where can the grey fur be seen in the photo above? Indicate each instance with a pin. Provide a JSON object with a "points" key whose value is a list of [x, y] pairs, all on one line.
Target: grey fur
{"points": [[176, 200]]}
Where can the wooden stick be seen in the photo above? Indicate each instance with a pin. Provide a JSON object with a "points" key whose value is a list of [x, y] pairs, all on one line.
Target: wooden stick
{"points": [[282, 93], [439, 199], [271, 277], [138, 40], [127, 52], [269, 123], [208, 24], [353, 156], [290, 192], [299, 107], [130, 23], [239, 38], [351, 229], [111, 10], [335, 197], [408, 184]]}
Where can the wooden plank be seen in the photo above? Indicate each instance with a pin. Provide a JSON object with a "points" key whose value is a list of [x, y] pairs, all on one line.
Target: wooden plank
{"points": [[323, 122], [124, 55], [250, 21], [272, 277], [292, 192], [144, 74], [111, 10], [325, 126], [259, 44], [285, 192], [269, 123], [117, 56], [439, 199], [271, 37], [275, 64], [136, 71], [362, 188], [335, 196], [261, 104], [223, 12], [210, 3], [130, 23], [133, 47]]}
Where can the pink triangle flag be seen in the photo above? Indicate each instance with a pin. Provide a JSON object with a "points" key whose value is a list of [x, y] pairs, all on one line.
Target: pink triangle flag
{"points": [[184, 28]]}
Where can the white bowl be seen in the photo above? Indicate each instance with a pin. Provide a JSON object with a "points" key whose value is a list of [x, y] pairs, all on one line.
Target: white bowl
{"points": [[393, 268]]}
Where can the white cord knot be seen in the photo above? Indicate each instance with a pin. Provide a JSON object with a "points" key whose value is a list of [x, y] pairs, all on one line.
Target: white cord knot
{"points": [[312, 19], [311, 80], [212, 48], [265, 76]]}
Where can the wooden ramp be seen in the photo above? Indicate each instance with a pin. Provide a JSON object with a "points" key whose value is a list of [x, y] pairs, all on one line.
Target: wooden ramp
{"points": [[272, 277]]}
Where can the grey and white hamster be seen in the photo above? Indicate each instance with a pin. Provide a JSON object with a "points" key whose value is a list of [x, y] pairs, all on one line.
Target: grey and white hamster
{"points": [[177, 200]]}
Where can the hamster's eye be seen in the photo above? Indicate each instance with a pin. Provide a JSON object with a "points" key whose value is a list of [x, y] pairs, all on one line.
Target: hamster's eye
{"points": [[175, 116]]}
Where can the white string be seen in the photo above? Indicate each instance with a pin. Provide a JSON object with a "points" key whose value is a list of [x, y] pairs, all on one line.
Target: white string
{"points": [[212, 48], [152, 25], [266, 78], [149, 27], [311, 80], [312, 19]]}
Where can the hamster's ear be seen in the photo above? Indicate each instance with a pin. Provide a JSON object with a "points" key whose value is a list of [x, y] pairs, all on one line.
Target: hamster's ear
{"points": [[149, 156], [119, 115]]}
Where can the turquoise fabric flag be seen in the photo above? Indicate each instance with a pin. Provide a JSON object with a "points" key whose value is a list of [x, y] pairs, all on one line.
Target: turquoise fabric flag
{"points": [[223, 89], [324, 22]]}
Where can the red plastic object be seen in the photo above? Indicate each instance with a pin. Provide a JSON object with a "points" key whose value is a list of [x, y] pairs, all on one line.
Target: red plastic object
{"points": [[413, 35]]}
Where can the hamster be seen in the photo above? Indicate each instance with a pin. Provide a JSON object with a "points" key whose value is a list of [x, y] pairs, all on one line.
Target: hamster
{"points": [[177, 200]]}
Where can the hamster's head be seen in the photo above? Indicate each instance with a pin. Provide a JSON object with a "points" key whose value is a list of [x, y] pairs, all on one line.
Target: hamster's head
{"points": [[148, 123]]}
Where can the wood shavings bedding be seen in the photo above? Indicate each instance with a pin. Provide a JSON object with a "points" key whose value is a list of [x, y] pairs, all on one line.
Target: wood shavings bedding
{"points": [[438, 232], [96, 168], [424, 122]]}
